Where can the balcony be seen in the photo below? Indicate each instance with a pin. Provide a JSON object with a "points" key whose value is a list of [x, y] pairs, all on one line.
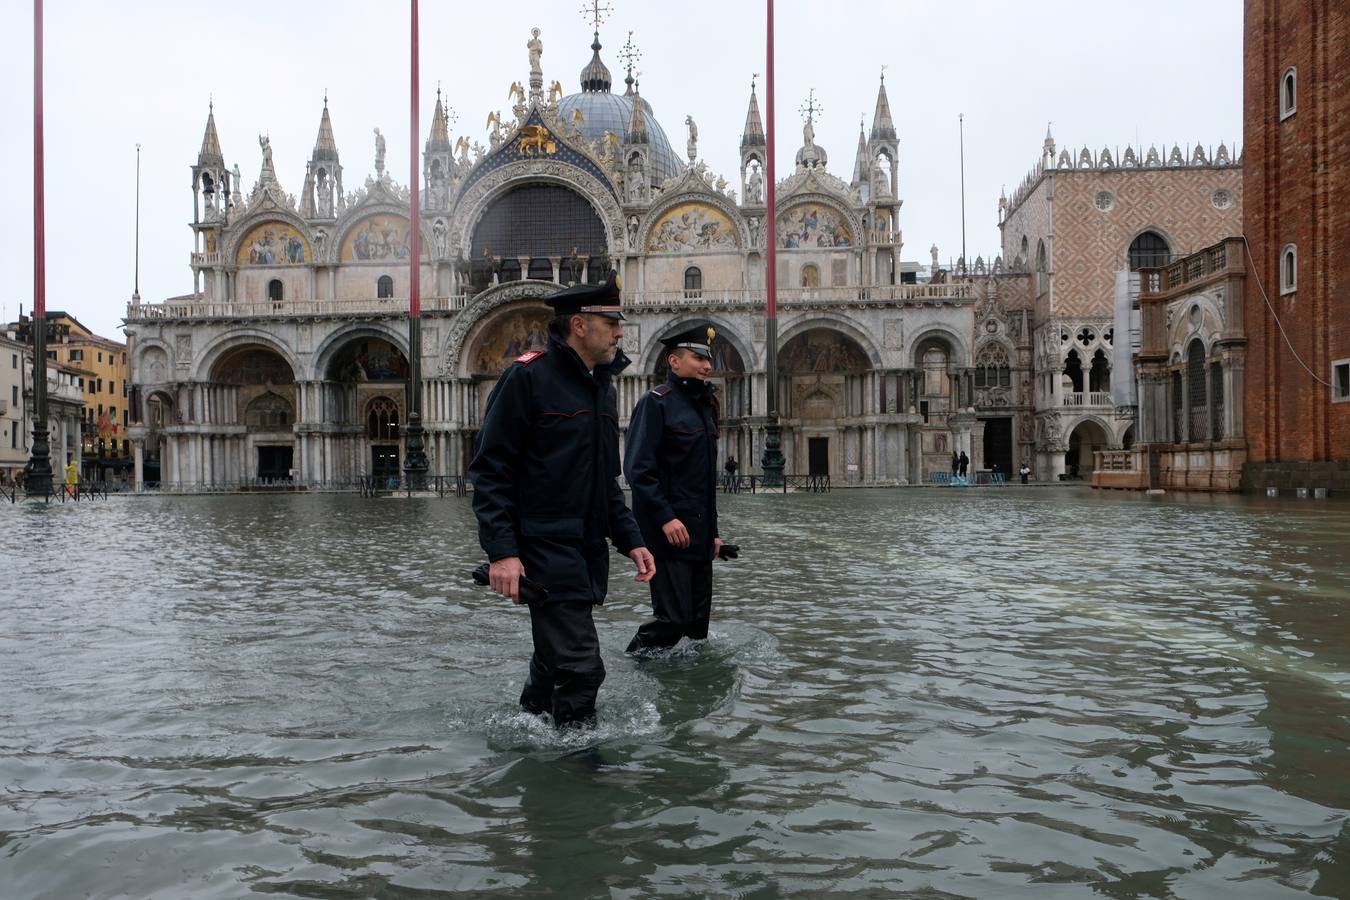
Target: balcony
{"points": [[1088, 398], [1223, 258], [207, 260], [876, 295], [216, 310]]}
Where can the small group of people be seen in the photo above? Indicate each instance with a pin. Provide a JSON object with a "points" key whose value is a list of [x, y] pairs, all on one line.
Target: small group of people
{"points": [[960, 464], [548, 500]]}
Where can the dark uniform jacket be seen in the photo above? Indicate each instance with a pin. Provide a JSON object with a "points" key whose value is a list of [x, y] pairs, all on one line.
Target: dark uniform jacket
{"points": [[545, 476], [670, 460]]}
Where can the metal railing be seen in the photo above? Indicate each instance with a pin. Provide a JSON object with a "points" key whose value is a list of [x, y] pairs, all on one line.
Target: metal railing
{"points": [[760, 484], [388, 486], [59, 492]]}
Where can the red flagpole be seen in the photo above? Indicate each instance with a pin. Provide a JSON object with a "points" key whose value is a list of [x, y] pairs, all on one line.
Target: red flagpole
{"points": [[39, 226], [771, 223], [415, 235]]}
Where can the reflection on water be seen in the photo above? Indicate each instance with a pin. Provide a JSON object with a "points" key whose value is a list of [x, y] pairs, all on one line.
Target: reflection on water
{"points": [[984, 693]]}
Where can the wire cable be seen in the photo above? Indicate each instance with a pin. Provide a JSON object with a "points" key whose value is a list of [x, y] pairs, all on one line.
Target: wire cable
{"points": [[1276, 316]]}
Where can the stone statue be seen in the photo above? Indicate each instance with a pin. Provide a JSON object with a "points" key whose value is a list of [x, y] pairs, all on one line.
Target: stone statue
{"points": [[936, 264], [438, 238], [536, 48], [754, 231], [320, 237], [754, 192], [692, 146], [379, 153], [266, 144]]}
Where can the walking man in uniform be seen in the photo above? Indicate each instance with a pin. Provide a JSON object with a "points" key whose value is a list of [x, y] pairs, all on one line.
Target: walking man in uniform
{"points": [[671, 464], [546, 494]]}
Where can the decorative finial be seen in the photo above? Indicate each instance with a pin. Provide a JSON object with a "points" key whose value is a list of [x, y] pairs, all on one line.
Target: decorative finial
{"points": [[630, 54], [811, 108], [753, 78], [883, 72], [325, 98], [210, 103], [596, 12]]}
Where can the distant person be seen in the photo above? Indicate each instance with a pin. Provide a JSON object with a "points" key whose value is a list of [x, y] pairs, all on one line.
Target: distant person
{"points": [[964, 463], [730, 467], [956, 464], [1025, 472], [994, 474], [72, 472]]}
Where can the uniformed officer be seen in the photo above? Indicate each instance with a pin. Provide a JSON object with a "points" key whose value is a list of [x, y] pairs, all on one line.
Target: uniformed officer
{"points": [[671, 464], [546, 494]]}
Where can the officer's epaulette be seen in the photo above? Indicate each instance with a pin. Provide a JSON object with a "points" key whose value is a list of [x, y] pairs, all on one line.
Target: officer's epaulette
{"points": [[527, 358], [661, 390]]}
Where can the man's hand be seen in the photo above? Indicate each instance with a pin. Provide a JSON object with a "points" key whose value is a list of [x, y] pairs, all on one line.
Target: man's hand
{"points": [[646, 565], [676, 534], [504, 577], [717, 547]]}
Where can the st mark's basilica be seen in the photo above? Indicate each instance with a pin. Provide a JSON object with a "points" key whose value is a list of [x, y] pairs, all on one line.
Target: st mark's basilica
{"points": [[289, 359]]}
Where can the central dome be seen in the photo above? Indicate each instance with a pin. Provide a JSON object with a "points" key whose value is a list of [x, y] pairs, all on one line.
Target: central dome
{"points": [[603, 111]]}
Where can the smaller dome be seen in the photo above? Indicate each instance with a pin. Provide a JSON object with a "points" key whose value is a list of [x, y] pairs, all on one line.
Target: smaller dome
{"points": [[595, 77]]}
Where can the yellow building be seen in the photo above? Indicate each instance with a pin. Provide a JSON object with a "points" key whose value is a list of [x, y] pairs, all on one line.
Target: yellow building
{"points": [[102, 365]]}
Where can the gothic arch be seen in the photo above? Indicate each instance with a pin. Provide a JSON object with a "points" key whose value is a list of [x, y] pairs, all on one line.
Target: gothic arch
{"points": [[141, 360], [213, 352], [834, 323], [473, 204], [835, 204], [483, 303], [960, 352], [237, 231], [651, 353], [323, 355], [717, 201], [493, 319], [332, 246]]}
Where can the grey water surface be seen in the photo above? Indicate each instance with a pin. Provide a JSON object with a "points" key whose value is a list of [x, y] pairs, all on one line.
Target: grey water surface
{"points": [[928, 693]]}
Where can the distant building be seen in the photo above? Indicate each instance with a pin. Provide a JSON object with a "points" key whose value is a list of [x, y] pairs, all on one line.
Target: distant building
{"points": [[1081, 225], [65, 398], [102, 369], [1297, 222]]}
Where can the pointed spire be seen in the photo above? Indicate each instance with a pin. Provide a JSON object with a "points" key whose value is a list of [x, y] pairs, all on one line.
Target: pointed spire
{"points": [[324, 145], [637, 123], [595, 78], [753, 135], [210, 154], [883, 127], [860, 162], [440, 131]]}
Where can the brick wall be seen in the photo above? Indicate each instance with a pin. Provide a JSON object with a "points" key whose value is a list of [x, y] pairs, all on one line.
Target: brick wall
{"points": [[1296, 173]]}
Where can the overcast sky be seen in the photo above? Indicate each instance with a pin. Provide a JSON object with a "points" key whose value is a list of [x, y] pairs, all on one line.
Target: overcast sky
{"points": [[118, 74]]}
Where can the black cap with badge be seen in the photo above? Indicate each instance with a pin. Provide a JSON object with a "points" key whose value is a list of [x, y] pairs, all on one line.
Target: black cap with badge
{"points": [[697, 339], [593, 299]]}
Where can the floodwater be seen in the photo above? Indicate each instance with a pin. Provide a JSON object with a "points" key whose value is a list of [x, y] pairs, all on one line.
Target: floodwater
{"points": [[929, 693]]}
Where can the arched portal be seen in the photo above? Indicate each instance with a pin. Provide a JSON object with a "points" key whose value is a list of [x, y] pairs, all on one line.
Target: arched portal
{"points": [[823, 397], [527, 228], [1086, 439], [262, 386], [501, 339], [364, 371]]}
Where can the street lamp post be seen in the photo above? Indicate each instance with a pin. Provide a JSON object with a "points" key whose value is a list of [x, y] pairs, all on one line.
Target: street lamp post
{"points": [[771, 462], [416, 465], [38, 472]]}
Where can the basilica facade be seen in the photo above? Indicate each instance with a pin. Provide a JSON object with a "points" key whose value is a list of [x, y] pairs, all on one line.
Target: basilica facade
{"points": [[289, 361]]}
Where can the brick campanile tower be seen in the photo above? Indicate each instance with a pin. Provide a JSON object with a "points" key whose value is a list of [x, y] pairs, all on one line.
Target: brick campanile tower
{"points": [[1296, 196]]}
